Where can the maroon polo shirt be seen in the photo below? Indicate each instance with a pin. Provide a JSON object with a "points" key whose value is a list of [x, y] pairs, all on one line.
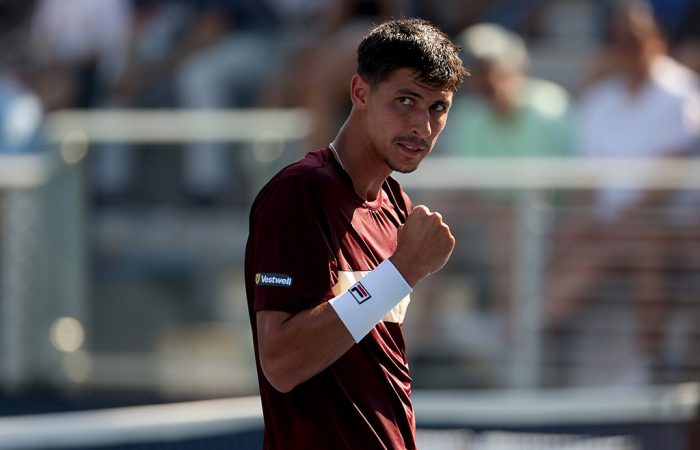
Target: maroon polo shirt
{"points": [[311, 237]]}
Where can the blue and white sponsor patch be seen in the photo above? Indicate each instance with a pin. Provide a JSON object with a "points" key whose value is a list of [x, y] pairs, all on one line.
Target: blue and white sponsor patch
{"points": [[273, 279]]}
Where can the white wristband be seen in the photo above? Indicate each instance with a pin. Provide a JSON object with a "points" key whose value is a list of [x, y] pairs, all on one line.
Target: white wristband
{"points": [[362, 306]]}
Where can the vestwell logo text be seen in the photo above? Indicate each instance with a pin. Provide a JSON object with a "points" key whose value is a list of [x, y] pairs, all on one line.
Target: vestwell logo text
{"points": [[273, 279]]}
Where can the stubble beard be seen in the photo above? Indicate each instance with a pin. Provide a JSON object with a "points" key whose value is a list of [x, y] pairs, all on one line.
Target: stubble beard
{"points": [[396, 168], [393, 165]]}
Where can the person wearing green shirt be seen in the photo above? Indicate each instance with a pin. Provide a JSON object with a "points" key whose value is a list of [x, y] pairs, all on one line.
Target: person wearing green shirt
{"points": [[505, 113]]}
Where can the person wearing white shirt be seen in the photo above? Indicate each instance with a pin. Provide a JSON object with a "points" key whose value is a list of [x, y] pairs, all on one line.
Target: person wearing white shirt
{"points": [[643, 105]]}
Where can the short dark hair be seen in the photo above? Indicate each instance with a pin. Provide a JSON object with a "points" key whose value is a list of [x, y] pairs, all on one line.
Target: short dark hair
{"points": [[411, 43]]}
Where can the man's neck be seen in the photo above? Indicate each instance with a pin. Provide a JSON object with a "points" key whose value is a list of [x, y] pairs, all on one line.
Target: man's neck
{"points": [[366, 170]]}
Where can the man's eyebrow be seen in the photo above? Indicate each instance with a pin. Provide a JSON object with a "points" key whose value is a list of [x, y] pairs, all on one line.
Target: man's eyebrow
{"points": [[410, 92], [413, 93]]}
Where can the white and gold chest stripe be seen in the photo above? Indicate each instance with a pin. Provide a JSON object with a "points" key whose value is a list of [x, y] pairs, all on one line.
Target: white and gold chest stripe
{"points": [[347, 279]]}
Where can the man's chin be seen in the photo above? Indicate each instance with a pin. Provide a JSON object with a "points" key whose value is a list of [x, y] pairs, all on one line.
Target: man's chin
{"points": [[401, 168], [405, 170]]}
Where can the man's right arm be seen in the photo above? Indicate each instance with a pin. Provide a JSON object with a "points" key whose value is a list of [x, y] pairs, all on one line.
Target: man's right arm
{"points": [[295, 347]]}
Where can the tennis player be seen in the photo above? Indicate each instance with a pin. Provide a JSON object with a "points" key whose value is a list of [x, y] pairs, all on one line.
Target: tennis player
{"points": [[335, 248]]}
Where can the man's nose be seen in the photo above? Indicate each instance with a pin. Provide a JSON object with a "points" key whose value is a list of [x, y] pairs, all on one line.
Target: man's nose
{"points": [[421, 124]]}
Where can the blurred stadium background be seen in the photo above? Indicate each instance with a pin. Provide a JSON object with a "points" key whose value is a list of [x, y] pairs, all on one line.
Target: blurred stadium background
{"points": [[124, 191]]}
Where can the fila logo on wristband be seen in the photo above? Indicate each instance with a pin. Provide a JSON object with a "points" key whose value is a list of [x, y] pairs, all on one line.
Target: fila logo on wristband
{"points": [[359, 292], [388, 288]]}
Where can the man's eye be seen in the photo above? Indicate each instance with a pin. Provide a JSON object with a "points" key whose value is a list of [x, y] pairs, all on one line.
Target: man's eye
{"points": [[439, 107], [405, 100]]}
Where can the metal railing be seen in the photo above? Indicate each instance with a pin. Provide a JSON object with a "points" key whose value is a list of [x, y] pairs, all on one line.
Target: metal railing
{"points": [[531, 180], [55, 184]]}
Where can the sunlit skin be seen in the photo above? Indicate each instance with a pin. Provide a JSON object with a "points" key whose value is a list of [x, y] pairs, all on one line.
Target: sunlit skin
{"points": [[392, 127]]}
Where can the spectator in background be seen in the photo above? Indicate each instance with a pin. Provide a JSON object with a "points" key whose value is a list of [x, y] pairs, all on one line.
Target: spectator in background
{"points": [[505, 113], [643, 104], [675, 18], [153, 54], [21, 111], [80, 48], [230, 53], [316, 76], [521, 16], [146, 81], [207, 54], [21, 115]]}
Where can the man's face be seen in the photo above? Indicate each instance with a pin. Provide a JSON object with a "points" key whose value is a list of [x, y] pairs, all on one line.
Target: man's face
{"points": [[497, 84], [405, 117], [635, 44]]}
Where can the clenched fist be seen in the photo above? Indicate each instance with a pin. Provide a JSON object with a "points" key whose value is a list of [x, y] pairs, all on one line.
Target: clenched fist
{"points": [[424, 245]]}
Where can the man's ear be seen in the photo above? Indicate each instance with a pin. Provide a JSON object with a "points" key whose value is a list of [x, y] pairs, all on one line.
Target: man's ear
{"points": [[359, 91]]}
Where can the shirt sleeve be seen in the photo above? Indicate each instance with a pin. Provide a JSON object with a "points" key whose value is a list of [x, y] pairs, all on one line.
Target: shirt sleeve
{"points": [[292, 260]]}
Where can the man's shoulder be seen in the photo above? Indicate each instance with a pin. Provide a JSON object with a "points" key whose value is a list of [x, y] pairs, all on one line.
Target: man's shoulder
{"points": [[296, 179], [299, 173]]}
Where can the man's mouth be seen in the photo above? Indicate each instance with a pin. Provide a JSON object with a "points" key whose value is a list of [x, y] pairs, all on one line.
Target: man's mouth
{"points": [[413, 147]]}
